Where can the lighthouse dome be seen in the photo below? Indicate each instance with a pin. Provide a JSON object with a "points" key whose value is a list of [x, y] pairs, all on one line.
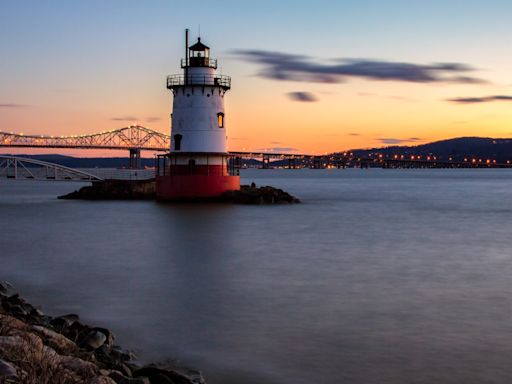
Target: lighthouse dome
{"points": [[199, 56], [199, 47]]}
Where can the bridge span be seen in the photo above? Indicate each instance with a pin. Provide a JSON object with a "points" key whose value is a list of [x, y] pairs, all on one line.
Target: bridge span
{"points": [[133, 138], [136, 138]]}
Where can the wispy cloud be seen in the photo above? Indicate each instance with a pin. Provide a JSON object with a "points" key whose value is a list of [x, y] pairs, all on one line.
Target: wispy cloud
{"points": [[302, 96], [13, 105], [354, 134], [284, 66], [125, 118], [484, 99], [394, 141], [131, 119], [277, 149]]}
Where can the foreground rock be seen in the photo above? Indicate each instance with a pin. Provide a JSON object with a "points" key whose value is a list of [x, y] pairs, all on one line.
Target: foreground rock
{"points": [[145, 190], [36, 348]]}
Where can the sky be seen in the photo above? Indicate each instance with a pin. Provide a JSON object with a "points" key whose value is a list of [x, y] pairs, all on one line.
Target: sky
{"points": [[307, 76]]}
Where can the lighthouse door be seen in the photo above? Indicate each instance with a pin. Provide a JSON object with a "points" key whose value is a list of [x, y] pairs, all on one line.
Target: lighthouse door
{"points": [[192, 166]]}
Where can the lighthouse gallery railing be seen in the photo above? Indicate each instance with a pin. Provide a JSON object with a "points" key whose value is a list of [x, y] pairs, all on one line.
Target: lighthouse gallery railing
{"points": [[211, 80]]}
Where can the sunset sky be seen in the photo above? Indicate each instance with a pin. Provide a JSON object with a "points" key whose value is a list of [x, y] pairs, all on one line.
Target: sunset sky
{"points": [[307, 76]]}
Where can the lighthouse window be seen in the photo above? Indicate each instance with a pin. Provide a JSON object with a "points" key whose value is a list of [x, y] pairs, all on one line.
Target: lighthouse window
{"points": [[177, 142], [220, 119]]}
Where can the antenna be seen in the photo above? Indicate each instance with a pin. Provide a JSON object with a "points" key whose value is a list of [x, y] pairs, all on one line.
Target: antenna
{"points": [[186, 56], [199, 29]]}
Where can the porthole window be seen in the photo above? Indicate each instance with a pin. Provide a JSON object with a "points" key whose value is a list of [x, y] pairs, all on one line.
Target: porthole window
{"points": [[220, 119]]}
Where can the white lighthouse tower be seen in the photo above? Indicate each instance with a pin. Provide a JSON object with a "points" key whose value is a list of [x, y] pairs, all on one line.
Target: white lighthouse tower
{"points": [[198, 164]]}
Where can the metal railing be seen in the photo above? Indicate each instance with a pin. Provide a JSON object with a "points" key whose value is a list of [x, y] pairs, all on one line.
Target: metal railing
{"points": [[221, 81], [166, 165]]}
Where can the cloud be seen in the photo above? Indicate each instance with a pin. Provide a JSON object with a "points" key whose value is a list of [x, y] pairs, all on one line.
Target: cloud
{"points": [[284, 66], [277, 149], [125, 118], [153, 119], [354, 134], [13, 105], [393, 141], [302, 96], [484, 99]]}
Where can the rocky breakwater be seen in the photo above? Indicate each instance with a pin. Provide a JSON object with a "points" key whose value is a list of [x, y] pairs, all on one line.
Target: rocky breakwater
{"points": [[115, 190], [145, 190], [251, 194], [37, 348]]}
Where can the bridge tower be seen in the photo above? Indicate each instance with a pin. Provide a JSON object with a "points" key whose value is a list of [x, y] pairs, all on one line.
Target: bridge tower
{"points": [[198, 164]]}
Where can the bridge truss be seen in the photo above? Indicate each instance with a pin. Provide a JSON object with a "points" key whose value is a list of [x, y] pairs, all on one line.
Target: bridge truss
{"points": [[131, 137]]}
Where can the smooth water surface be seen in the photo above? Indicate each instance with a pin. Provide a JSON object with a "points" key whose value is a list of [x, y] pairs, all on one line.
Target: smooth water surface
{"points": [[380, 276]]}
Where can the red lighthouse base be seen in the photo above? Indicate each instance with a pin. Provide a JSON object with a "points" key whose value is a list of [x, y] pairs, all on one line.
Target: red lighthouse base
{"points": [[193, 182], [190, 187]]}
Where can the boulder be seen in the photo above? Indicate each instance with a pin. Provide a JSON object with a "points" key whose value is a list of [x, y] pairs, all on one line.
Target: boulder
{"points": [[55, 340], [7, 370], [175, 376], [94, 340], [115, 190], [4, 287], [79, 366], [254, 196], [135, 380], [102, 380], [12, 322]]}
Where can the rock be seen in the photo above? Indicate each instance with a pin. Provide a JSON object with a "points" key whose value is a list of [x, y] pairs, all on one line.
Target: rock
{"points": [[18, 310], [102, 380], [55, 340], [7, 369], [31, 341], [79, 366], [4, 287], [125, 370], [116, 376], [65, 321], [50, 354], [262, 195], [175, 377], [11, 341], [12, 322], [135, 380], [94, 340], [116, 190], [161, 379]]}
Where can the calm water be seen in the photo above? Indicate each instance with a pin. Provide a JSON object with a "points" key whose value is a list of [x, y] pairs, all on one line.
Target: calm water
{"points": [[381, 276]]}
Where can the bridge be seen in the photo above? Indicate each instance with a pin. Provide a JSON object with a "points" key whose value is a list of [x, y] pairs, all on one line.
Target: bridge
{"points": [[133, 138], [136, 138]]}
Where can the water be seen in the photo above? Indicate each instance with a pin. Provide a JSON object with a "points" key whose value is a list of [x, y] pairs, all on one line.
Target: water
{"points": [[380, 276]]}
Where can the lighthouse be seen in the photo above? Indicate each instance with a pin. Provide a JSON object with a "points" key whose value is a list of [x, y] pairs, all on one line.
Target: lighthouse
{"points": [[198, 164]]}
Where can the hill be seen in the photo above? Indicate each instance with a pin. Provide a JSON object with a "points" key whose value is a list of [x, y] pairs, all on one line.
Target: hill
{"points": [[457, 149]]}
